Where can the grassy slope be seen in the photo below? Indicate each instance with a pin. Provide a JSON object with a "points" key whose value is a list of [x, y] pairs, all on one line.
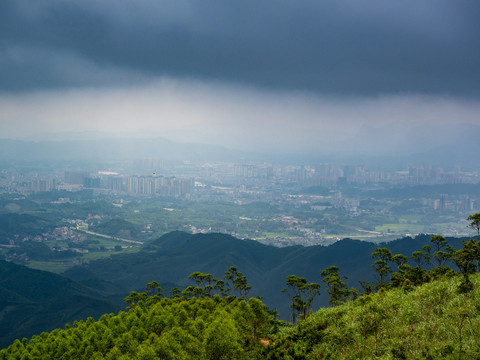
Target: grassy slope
{"points": [[433, 321]]}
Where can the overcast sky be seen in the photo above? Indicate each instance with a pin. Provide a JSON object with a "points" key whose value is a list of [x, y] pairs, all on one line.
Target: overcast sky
{"points": [[273, 74]]}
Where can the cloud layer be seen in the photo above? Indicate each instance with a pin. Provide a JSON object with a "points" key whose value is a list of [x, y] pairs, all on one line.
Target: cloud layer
{"points": [[242, 118], [353, 47], [346, 76]]}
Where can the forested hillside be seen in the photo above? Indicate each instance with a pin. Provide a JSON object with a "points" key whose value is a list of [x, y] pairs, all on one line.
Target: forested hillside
{"points": [[32, 301], [159, 328], [437, 320], [424, 311], [174, 256], [35, 301]]}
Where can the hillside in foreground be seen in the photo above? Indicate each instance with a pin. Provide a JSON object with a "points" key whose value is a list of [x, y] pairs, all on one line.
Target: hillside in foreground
{"points": [[432, 321]]}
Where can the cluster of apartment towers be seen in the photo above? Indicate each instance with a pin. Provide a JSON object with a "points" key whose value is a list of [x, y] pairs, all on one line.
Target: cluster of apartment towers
{"points": [[134, 184]]}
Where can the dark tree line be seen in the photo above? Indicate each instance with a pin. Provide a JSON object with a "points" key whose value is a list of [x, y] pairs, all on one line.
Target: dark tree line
{"points": [[233, 286], [435, 256]]}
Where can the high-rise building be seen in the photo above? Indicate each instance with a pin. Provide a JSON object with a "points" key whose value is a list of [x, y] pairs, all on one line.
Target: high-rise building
{"points": [[38, 185], [115, 183], [91, 182], [132, 184], [76, 177]]}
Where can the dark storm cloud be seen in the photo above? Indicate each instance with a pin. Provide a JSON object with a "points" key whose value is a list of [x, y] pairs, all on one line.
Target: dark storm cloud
{"points": [[334, 47]]}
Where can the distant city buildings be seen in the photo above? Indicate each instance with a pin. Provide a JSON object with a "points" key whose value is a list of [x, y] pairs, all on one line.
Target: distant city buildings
{"points": [[159, 185], [38, 185], [76, 177], [242, 183]]}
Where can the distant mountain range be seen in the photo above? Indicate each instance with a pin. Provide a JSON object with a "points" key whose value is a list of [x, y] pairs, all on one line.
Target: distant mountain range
{"points": [[112, 149], [439, 146]]}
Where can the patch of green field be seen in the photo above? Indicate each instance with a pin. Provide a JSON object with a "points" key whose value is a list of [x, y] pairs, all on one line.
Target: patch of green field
{"points": [[50, 266], [409, 219], [435, 228], [95, 255], [59, 266], [271, 235], [406, 224], [402, 228]]}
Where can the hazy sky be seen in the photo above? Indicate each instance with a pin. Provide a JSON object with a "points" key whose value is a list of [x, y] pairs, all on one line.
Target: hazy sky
{"points": [[273, 74]]}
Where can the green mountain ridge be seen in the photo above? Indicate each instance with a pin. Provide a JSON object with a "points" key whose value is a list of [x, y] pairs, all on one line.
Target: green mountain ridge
{"points": [[174, 256], [32, 301]]}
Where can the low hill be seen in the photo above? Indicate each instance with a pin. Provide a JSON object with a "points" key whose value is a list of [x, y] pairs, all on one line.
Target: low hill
{"points": [[118, 228], [32, 301], [21, 224], [174, 256]]}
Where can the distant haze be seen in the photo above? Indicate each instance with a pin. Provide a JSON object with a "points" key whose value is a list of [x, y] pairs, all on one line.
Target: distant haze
{"points": [[350, 77]]}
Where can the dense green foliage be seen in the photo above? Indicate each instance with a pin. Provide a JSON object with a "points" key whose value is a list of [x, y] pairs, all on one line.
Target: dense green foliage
{"points": [[301, 294], [214, 319], [178, 328], [436, 320], [416, 313], [475, 223], [172, 258], [406, 319]]}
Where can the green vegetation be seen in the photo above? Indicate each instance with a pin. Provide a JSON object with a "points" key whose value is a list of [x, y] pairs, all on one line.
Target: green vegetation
{"points": [[32, 301], [336, 288], [174, 256], [418, 224], [301, 294], [200, 322], [61, 264], [51, 266], [419, 314], [475, 223], [118, 228], [22, 225], [194, 328], [432, 321], [427, 311]]}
